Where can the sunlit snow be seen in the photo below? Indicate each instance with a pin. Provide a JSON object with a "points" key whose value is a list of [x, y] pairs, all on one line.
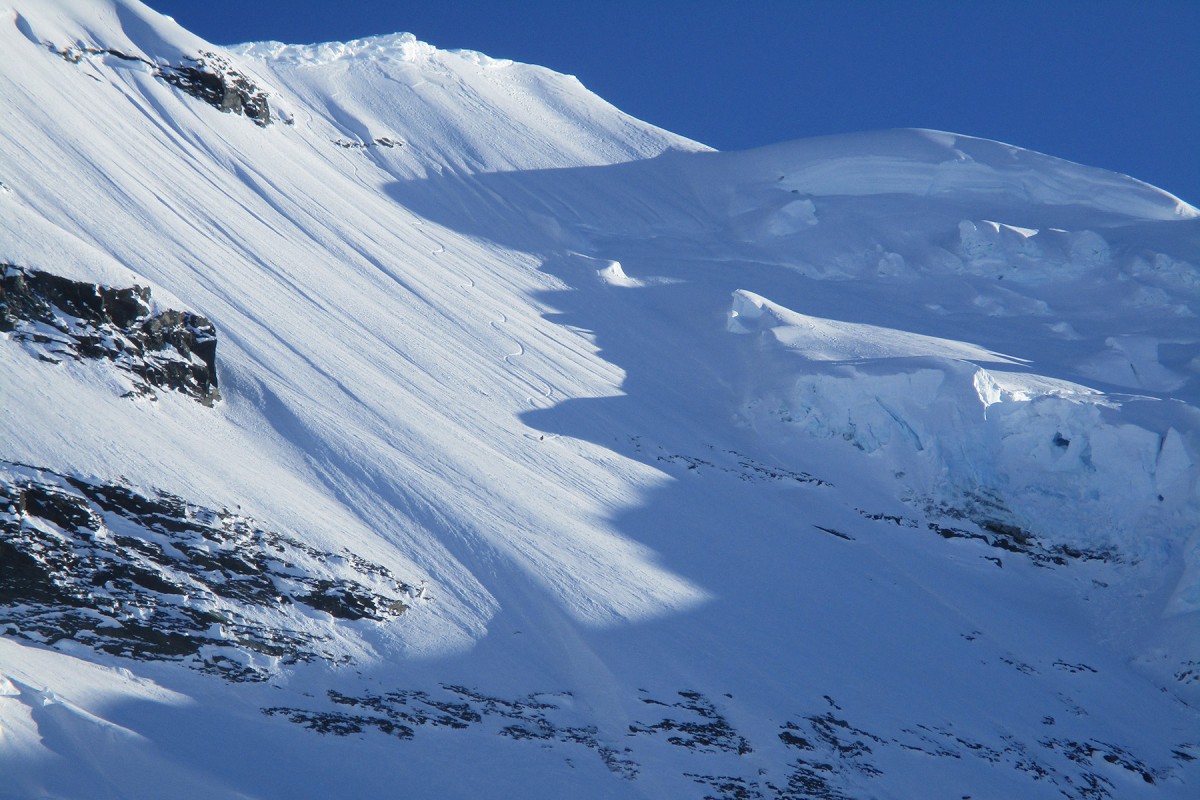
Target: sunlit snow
{"points": [[866, 465]]}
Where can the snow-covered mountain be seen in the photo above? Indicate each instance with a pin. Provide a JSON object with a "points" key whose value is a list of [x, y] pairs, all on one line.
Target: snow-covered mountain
{"points": [[387, 421]]}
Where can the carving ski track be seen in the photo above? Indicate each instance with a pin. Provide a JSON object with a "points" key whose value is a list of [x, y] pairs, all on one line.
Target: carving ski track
{"points": [[546, 390]]}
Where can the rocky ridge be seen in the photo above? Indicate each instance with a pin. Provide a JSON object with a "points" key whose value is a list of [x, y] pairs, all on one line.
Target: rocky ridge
{"points": [[56, 318], [207, 76], [822, 755], [152, 576]]}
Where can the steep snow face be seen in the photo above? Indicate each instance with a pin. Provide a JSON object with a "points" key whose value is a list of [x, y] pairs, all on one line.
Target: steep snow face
{"points": [[415, 109], [285, 234], [559, 448]]}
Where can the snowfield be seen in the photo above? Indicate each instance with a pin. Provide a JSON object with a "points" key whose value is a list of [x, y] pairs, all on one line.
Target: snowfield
{"points": [[549, 453]]}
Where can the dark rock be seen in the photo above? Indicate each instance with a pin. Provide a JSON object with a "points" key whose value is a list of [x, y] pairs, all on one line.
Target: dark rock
{"points": [[403, 712], [728, 462], [1005, 536], [703, 727], [61, 318], [207, 76], [339, 724], [836, 533], [827, 756], [791, 739], [213, 79], [727, 787], [353, 144], [159, 578]]}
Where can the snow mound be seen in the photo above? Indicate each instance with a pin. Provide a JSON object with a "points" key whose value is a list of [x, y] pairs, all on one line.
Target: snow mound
{"points": [[819, 339], [390, 47], [938, 164]]}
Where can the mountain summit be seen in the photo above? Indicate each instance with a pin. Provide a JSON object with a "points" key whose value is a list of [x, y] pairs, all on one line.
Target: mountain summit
{"points": [[382, 420]]}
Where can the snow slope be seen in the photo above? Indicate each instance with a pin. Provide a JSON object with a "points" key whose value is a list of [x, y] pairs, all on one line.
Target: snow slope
{"points": [[864, 466]]}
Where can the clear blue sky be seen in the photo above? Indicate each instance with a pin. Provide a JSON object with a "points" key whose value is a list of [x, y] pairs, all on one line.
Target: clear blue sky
{"points": [[1110, 84]]}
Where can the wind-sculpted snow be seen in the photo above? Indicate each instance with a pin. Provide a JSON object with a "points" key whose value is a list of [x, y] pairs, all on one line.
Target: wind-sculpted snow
{"points": [[855, 467], [832, 341], [402, 47], [930, 164], [1054, 457], [457, 111], [895, 364]]}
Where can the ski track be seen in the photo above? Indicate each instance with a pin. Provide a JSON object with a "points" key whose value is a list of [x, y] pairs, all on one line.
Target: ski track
{"points": [[546, 390]]}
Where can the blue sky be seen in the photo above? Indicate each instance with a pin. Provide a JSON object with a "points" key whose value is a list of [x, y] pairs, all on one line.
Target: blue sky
{"points": [[1110, 84]]}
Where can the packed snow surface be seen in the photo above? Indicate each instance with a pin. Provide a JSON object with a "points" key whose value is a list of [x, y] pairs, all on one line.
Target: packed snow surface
{"points": [[572, 457]]}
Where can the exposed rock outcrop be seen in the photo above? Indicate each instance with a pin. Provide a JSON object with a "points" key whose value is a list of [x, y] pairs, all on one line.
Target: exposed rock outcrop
{"points": [[156, 577], [212, 79], [60, 318], [206, 76], [820, 755]]}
